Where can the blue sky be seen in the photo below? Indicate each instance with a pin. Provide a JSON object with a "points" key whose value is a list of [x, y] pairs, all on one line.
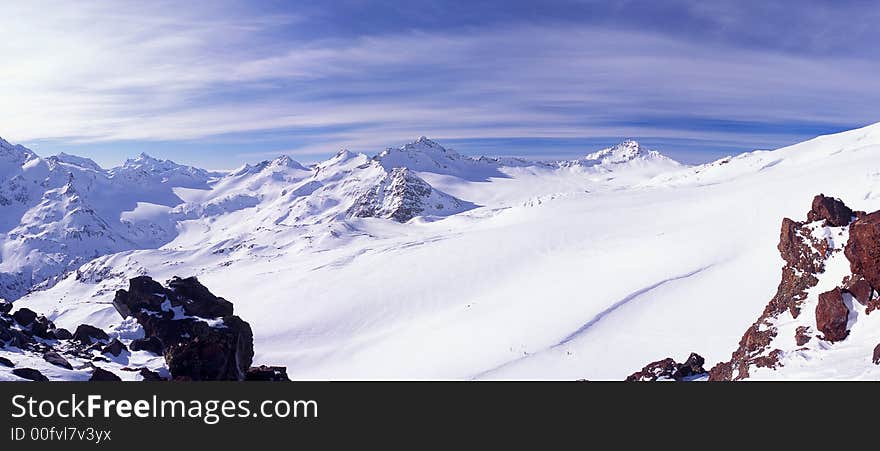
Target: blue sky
{"points": [[220, 83]]}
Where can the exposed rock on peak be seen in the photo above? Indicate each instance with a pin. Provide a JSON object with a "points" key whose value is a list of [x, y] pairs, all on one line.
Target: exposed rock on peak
{"points": [[401, 196]]}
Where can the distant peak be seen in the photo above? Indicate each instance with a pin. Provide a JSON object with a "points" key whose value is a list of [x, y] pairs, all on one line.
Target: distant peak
{"points": [[425, 144], [344, 154], [627, 150], [286, 161]]}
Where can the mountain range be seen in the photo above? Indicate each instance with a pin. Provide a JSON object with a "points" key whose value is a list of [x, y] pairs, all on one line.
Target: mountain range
{"points": [[420, 262]]}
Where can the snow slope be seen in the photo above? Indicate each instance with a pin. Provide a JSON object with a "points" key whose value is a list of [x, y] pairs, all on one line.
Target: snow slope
{"points": [[571, 270]]}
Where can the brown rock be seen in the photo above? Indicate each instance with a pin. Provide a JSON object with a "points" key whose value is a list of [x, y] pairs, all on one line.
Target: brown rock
{"points": [[876, 358], [861, 290], [802, 335], [804, 258], [833, 211], [832, 315], [863, 248]]}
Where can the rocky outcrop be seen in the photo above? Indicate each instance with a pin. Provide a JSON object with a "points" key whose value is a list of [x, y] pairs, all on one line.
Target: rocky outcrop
{"points": [[195, 331], [804, 258], [669, 369], [806, 247], [876, 357], [214, 346]]}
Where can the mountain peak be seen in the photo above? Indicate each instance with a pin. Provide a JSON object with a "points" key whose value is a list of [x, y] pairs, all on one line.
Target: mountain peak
{"points": [[286, 161], [627, 150], [423, 143]]}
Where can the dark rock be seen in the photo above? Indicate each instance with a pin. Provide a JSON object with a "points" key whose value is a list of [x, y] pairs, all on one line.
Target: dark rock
{"points": [[43, 328], [693, 366], [193, 349], [833, 211], [267, 373], [144, 294], [149, 344], [87, 334], [30, 374], [6, 362], [24, 316], [102, 375], [210, 353], [832, 315], [802, 335], [99, 358], [114, 348], [150, 376], [63, 334], [669, 369], [5, 334], [55, 359], [876, 357], [18, 338], [5, 306], [863, 248], [197, 300]]}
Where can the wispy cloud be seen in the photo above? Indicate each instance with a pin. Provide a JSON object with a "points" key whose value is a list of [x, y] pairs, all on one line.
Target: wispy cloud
{"points": [[114, 72]]}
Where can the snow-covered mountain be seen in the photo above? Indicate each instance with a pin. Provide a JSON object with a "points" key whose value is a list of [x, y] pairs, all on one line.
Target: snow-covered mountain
{"points": [[62, 211], [554, 270]]}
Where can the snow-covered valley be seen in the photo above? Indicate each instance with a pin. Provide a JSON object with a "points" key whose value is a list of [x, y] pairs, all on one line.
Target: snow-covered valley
{"points": [[421, 263]]}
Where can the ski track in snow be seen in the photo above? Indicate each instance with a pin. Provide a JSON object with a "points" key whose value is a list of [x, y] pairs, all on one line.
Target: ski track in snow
{"points": [[597, 318]]}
